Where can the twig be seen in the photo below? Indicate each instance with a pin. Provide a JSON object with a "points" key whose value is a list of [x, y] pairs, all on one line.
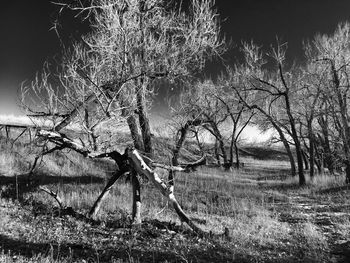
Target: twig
{"points": [[53, 194]]}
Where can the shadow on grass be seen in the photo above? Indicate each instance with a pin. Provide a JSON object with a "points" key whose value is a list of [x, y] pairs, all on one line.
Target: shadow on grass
{"points": [[282, 187], [124, 249], [263, 173], [16, 186], [40, 179], [333, 190]]}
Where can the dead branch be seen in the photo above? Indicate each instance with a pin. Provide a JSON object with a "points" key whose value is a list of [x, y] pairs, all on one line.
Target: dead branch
{"points": [[182, 167], [53, 194], [41, 155], [97, 205], [63, 141]]}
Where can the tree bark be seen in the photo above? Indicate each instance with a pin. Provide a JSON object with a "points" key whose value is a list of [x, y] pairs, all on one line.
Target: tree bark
{"points": [[237, 156], [136, 204], [311, 149], [141, 167], [97, 205], [327, 158], [144, 121], [347, 172], [179, 143], [92, 137], [123, 168], [305, 159], [216, 150], [220, 139], [134, 131], [296, 141], [284, 141]]}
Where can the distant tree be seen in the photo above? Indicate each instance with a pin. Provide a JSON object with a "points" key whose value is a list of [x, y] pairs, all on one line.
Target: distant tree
{"points": [[201, 102], [271, 92], [239, 114], [214, 108]]}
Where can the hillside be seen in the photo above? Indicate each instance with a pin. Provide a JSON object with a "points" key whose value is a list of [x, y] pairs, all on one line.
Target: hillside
{"points": [[257, 214]]}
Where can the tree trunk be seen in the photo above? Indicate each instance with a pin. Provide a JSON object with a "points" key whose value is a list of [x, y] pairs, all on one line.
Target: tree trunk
{"points": [[290, 157], [327, 156], [286, 146], [97, 205], [131, 120], [216, 150], [311, 149], [142, 85], [136, 202], [144, 121], [317, 157], [347, 172], [219, 138], [237, 155], [178, 146], [299, 161], [232, 147], [200, 146], [92, 137], [134, 131], [305, 159], [296, 140], [7, 129]]}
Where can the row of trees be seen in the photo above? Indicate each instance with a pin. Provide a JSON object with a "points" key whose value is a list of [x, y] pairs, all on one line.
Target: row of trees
{"points": [[305, 104]]}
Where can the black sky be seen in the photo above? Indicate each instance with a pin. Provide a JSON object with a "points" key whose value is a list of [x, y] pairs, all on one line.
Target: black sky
{"points": [[25, 39]]}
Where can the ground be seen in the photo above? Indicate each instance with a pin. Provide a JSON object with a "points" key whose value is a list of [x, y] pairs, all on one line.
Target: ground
{"points": [[257, 214]]}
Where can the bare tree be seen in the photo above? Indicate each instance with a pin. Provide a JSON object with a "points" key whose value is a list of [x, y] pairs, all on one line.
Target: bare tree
{"points": [[270, 92], [109, 74], [138, 42], [239, 114], [201, 102], [332, 52]]}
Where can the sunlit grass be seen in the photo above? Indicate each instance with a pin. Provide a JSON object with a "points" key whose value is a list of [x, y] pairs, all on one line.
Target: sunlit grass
{"points": [[240, 203]]}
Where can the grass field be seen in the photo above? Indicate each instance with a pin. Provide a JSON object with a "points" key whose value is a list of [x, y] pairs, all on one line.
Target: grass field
{"points": [[258, 214]]}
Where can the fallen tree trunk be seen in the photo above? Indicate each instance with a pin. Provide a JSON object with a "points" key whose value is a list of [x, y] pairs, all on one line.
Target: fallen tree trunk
{"points": [[130, 161], [142, 168]]}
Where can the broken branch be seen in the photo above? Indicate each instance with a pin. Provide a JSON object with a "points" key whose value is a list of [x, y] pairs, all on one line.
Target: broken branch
{"points": [[53, 194]]}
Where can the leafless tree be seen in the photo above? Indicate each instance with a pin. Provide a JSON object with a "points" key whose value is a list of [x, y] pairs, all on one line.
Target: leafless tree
{"points": [[332, 53], [108, 76], [271, 91], [138, 42]]}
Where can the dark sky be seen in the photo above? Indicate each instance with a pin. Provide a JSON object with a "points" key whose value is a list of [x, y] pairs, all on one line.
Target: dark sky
{"points": [[25, 39]]}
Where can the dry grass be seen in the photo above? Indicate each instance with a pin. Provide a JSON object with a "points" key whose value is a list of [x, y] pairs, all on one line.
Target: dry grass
{"points": [[248, 204]]}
